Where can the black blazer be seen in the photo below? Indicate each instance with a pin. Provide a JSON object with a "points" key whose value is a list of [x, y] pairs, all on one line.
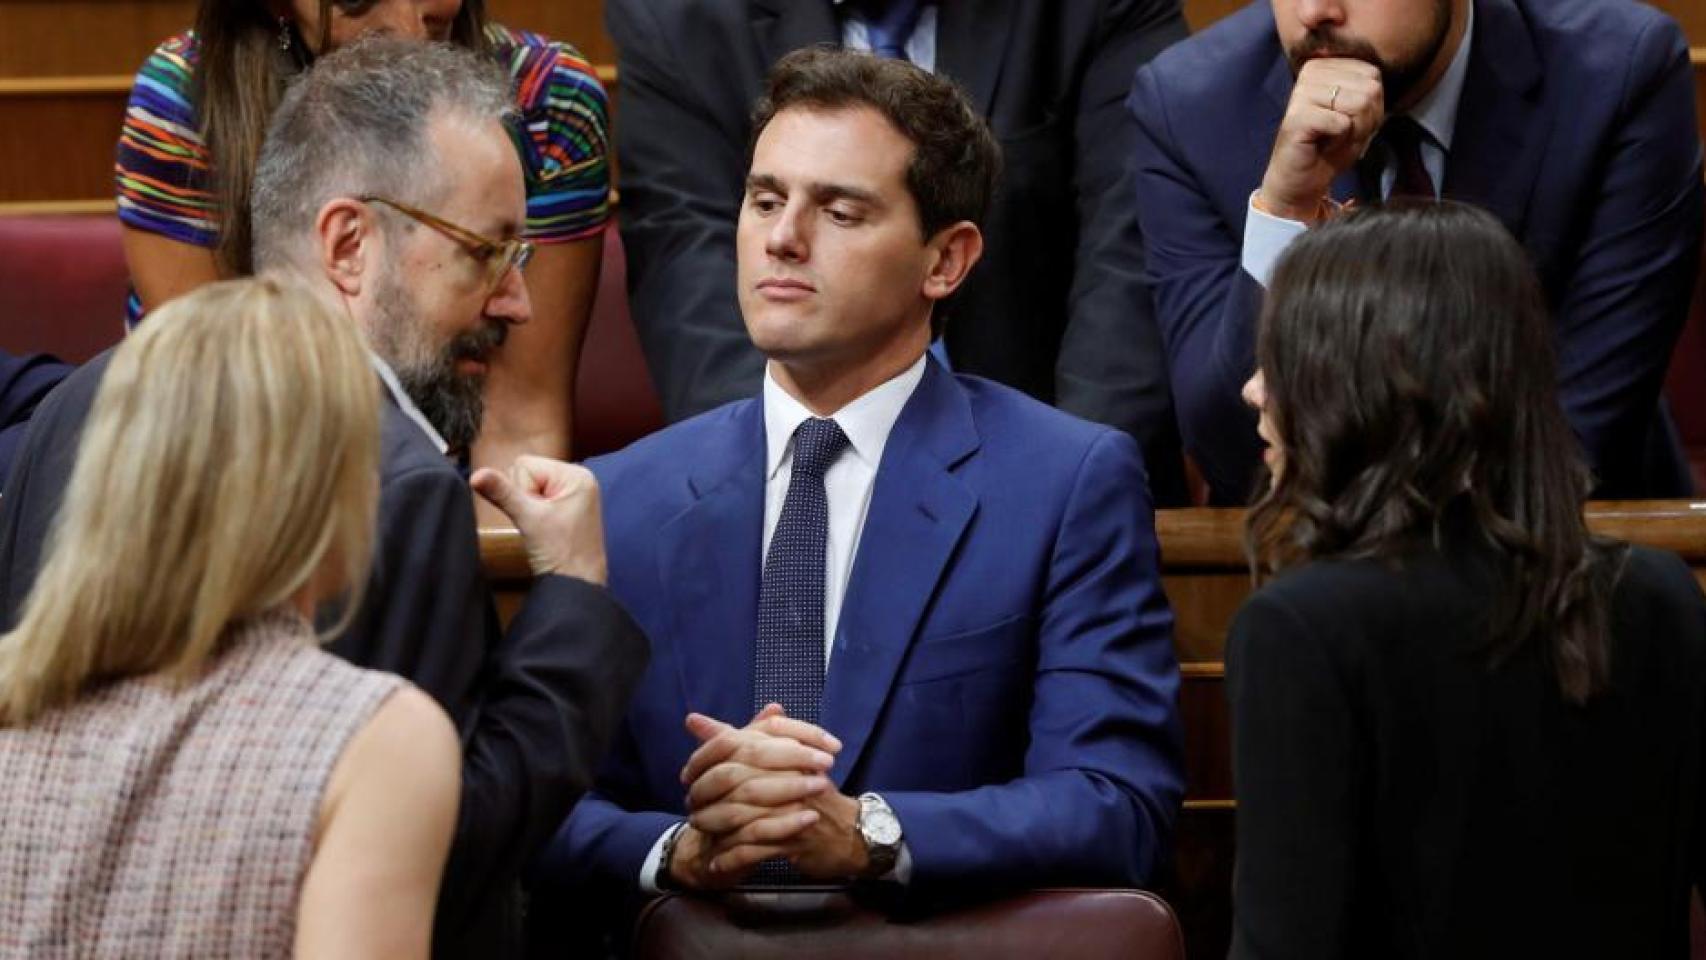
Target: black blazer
{"points": [[24, 381], [536, 706], [1398, 799], [1056, 308]]}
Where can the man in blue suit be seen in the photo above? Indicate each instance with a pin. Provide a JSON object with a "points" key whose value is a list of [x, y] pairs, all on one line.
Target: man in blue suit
{"points": [[950, 591], [1571, 120]]}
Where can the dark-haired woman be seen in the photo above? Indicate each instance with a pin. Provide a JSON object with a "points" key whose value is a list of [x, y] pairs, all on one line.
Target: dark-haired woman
{"points": [[199, 110], [1464, 726]]}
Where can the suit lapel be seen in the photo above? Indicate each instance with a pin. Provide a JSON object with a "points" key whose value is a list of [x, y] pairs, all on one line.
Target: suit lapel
{"points": [[919, 510], [1495, 148], [708, 563], [971, 45], [781, 26]]}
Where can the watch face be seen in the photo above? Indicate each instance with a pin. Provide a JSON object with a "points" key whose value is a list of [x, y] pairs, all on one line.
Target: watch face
{"points": [[882, 828]]}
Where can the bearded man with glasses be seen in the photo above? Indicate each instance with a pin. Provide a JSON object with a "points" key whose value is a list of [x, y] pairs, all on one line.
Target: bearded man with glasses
{"points": [[410, 227]]}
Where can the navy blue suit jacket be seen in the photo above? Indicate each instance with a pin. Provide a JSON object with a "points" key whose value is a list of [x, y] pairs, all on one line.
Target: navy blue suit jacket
{"points": [[1576, 128], [1003, 670]]}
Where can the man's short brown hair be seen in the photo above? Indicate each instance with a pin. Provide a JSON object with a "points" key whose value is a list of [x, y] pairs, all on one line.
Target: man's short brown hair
{"points": [[955, 160]]}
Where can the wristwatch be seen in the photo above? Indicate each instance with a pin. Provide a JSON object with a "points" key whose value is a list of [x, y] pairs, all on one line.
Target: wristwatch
{"points": [[880, 829]]}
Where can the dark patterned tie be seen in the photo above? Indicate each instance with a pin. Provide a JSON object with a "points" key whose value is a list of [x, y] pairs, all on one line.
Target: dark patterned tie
{"points": [[788, 661], [889, 23], [1405, 137]]}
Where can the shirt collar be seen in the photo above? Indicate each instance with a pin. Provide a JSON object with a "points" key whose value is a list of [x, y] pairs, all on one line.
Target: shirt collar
{"points": [[867, 421], [405, 404], [1437, 112]]}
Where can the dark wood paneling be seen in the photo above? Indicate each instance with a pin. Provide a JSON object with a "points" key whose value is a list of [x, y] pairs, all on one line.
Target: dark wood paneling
{"points": [[59, 146], [64, 38], [1208, 738], [1691, 14], [67, 157], [1201, 13], [578, 22], [1200, 890], [59, 38]]}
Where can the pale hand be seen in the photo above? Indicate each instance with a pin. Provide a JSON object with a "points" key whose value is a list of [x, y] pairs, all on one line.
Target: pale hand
{"points": [[758, 792], [1336, 107], [555, 505]]}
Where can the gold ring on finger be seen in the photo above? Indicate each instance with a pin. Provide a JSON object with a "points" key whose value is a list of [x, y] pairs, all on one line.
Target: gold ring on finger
{"points": [[1333, 98]]}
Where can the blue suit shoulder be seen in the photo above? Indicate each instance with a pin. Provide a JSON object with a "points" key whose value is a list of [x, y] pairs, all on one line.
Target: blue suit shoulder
{"points": [[1233, 54], [1600, 42], [1025, 441], [654, 469], [1011, 415]]}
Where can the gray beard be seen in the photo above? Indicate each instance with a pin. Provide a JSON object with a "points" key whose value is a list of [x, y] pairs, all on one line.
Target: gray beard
{"points": [[453, 403]]}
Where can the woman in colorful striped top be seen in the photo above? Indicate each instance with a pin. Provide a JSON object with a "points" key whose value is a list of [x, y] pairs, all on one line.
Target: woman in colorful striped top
{"points": [[199, 110]]}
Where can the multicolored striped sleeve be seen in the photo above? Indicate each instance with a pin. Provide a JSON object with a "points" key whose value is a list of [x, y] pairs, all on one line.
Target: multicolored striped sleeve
{"points": [[564, 140], [162, 163]]}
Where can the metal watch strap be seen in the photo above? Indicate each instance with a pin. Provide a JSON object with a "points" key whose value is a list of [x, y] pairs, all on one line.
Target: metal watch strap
{"points": [[664, 879], [882, 856]]}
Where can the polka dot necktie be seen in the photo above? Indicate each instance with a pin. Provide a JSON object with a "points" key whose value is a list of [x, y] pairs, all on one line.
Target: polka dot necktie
{"points": [[789, 661]]}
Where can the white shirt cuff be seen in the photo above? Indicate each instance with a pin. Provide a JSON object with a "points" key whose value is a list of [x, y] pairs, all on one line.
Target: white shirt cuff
{"points": [[654, 860], [902, 872], [1265, 238]]}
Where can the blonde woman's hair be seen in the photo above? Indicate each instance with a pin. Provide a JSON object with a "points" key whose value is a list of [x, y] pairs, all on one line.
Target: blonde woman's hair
{"points": [[230, 458]]}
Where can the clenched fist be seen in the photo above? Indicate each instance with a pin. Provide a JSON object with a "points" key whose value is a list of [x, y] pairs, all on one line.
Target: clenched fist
{"points": [[555, 505], [1336, 107]]}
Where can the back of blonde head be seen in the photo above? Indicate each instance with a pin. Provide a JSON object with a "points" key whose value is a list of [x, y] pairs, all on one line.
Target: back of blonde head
{"points": [[231, 454]]}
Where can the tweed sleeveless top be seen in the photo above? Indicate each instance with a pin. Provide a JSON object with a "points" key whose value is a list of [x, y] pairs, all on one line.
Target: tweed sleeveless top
{"points": [[144, 820]]}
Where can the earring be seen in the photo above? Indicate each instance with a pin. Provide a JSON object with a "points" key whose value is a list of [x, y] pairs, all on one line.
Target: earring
{"points": [[283, 35]]}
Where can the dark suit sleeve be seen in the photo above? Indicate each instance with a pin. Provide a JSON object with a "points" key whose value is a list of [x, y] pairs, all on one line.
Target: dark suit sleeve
{"points": [[1295, 766], [551, 701], [24, 381], [536, 706], [1103, 774], [1629, 287], [1112, 368], [682, 178], [36, 483], [1205, 304]]}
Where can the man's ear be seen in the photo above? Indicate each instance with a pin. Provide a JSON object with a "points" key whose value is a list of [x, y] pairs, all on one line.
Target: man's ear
{"points": [[346, 243], [955, 250]]}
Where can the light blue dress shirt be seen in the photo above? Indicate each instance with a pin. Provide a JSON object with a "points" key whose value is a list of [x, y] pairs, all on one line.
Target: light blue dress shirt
{"points": [[920, 47]]}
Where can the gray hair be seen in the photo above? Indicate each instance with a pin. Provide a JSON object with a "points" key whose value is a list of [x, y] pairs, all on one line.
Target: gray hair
{"points": [[357, 123]]}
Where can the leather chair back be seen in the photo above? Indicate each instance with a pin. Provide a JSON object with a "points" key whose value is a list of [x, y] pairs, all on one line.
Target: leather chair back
{"points": [[63, 282], [62, 285], [615, 403], [1067, 924]]}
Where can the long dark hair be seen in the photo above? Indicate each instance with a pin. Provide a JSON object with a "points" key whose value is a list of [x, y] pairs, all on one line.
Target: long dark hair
{"points": [[239, 79], [1408, 363]]}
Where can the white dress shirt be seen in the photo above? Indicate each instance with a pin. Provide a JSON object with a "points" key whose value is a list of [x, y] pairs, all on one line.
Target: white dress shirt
{"points": [[847, 485], [848, 482], [404, 403], [920, 47], [1266, 236]]}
